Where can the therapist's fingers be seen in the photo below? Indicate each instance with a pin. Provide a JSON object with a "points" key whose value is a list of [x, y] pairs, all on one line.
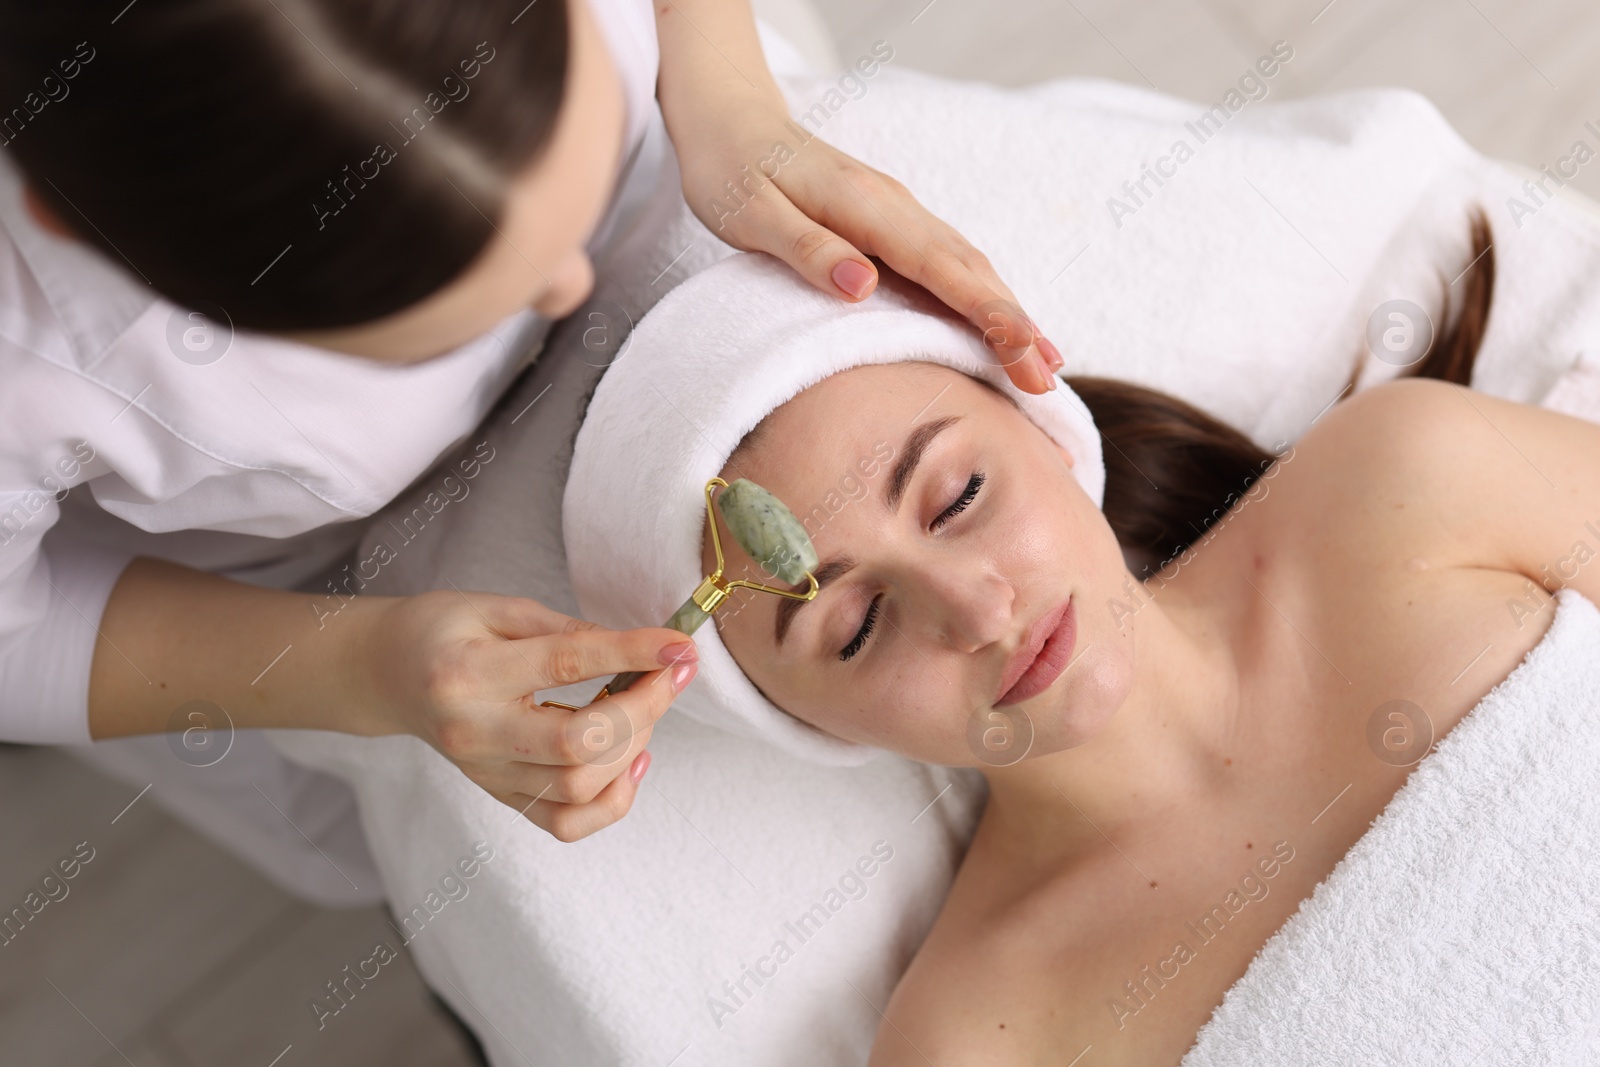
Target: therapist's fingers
{"points": [[519, 618], [951, 269], [595, 735], [575, 784], [602, 749], [771, 223], [880, 216], [573, 822], [546, 649]]}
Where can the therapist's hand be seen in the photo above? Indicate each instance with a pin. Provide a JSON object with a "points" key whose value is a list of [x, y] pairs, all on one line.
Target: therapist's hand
{"points": [[749, 177], [462, 671], [199, 656]]}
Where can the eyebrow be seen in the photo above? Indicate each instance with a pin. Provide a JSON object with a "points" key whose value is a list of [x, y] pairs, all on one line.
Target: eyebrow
{"points": [[917, 442], [911, 452], [788, 606]]}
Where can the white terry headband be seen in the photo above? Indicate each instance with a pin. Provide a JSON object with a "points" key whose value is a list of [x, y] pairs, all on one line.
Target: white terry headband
{"points": [[710, 361]]}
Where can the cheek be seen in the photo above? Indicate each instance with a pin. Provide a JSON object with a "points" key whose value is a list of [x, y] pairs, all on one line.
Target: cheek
{"points": [[1044, 525], [1042, 551], [906, 702]]}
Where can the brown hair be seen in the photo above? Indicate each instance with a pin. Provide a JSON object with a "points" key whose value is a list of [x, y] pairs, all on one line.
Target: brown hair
{"points": [[361, 149], [1172, 470]]}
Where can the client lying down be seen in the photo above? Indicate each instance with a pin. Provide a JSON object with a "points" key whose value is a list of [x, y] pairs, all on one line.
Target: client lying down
{"points": [[1188, 744]]}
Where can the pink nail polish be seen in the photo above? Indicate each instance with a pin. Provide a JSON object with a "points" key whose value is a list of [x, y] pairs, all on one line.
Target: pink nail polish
{"points": [[1051, 354], [641, 763], [677, 652], [852, 277], [681, 675]]}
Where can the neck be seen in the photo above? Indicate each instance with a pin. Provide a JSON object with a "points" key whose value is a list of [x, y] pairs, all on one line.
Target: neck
{"points": [[1164, 749]]}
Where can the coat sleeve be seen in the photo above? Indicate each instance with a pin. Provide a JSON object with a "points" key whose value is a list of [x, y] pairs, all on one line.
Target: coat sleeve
{"points": [[51, 602]]}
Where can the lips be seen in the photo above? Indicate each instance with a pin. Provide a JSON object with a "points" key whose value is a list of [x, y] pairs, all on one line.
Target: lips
{"points": [[1044, 654]]}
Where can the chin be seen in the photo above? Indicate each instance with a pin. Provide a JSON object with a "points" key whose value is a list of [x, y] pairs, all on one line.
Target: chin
{"points": [[1081, 703]]}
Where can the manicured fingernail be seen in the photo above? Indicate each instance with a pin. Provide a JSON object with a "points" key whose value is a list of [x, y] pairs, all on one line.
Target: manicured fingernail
{"points": [[852, 277], [681, 675], [677, 652], [1049, 375], [641, 763], [1052, 355]]}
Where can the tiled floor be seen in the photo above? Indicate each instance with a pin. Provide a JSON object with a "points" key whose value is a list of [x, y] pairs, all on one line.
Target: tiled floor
{"points": [[169, 953]]}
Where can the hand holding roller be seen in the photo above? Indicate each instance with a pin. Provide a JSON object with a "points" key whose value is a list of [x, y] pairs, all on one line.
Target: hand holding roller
{"points": [[768, 532]]}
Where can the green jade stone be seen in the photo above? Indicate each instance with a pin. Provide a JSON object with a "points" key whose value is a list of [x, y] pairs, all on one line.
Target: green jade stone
{"points": [[768, 532], [687, 619]]}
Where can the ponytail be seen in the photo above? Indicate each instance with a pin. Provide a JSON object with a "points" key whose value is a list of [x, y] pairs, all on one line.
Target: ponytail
{"points": [[1172, 470]]}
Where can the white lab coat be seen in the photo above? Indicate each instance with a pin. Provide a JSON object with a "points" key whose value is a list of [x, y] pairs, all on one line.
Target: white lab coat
{"points": [[133, 428]]}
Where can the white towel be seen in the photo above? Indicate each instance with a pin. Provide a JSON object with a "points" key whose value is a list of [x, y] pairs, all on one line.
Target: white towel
{"points": [[1462, 928], [700, 372], [611, 950]]}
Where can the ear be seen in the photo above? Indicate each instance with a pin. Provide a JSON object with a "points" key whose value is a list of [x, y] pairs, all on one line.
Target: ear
{"points": [[1064, 453], [44, 215]]}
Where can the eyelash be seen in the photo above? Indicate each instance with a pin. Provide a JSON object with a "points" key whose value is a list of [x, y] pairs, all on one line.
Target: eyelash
{"points": [[860, 639], [967, 496]]}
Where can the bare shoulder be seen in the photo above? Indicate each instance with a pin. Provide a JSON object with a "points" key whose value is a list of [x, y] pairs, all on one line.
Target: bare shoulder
{"points": [[1009, 976], [949, 1005], [1385, 439], [1460, 477], [989, 984]]}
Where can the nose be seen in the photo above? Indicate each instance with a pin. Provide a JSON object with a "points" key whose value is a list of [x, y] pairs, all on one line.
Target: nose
{"points": [[570, 285], [971, 607]]}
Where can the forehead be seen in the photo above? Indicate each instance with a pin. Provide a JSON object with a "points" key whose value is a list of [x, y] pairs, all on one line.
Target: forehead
{"points": [[827, 452], [805, 447]]}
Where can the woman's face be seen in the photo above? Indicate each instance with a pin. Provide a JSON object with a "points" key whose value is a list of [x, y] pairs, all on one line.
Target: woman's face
{"points": [[931, 593]]}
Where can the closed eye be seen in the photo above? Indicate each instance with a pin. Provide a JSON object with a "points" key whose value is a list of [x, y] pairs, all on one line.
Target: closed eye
{"points": [[967, 496], [860, 639]]}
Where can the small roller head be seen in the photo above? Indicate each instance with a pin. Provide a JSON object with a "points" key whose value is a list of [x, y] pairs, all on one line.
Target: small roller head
{"points": [[767, 531]]}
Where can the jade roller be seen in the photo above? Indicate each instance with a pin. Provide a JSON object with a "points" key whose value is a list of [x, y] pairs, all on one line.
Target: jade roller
{"points": [[768, 532]]}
